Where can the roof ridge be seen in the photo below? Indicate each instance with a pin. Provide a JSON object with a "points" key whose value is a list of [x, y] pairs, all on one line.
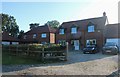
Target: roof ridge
{"points": [[85, 19]]}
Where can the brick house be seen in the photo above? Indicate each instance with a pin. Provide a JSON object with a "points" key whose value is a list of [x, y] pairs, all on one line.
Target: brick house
{"points": [[7, 39], [41, 34], [82, 32]]}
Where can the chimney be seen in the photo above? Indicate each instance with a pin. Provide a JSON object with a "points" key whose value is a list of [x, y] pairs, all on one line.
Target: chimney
{"points": [[104, 13]]}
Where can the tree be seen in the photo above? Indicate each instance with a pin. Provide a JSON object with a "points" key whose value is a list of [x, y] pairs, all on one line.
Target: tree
{"points": [[53, 23], [21, 33], [33, 25], [9, 24]]}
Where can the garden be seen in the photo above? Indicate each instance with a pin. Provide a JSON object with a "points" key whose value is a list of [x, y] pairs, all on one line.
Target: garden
{"points": [[33, 53]]}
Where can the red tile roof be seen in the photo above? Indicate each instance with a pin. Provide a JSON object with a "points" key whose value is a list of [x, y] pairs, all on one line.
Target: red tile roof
{"points": [[42, 29], [7, 37], [99, 21], [112, 30]]}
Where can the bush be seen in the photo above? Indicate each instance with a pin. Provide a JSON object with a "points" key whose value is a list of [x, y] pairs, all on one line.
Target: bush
{"points": [[36, 47]]}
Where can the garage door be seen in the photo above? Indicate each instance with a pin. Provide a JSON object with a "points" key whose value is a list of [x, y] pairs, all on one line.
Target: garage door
{"points": [[116, 40]]}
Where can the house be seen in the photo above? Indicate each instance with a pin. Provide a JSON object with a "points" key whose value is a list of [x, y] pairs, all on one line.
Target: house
{"points": [[7, 39], [80, 33], [112, 33], [41, 34]]}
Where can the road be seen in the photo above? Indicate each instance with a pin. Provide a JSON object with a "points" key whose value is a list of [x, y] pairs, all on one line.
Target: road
{"points": [[77, 64]]}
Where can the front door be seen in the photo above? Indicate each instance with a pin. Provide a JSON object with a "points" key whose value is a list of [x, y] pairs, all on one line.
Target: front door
{"points": [[76, 44]]}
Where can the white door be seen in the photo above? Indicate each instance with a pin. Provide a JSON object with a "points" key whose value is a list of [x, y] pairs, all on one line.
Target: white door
{"points": [[76, 44]]}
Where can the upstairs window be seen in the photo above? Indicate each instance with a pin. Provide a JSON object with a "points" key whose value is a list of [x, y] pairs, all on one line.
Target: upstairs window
{"points": [[91, 28], [43, 35], [74, 30], [61, 31], [34, 35]]}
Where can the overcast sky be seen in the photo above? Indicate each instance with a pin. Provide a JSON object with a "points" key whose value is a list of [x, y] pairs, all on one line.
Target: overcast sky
{"points": [[27, 12]]}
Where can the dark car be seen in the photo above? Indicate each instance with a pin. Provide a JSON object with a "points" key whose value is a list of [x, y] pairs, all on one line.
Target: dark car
{"points": [[110, 48], [90, 49]]}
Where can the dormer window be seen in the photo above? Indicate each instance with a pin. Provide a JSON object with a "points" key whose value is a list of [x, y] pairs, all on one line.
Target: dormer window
{"points": [[25, 36], [73, 30], [34, 35], [91, 28], [62, 31]]}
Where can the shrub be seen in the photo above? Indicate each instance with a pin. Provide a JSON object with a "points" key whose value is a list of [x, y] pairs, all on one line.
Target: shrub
{"points": [[36, 47]]}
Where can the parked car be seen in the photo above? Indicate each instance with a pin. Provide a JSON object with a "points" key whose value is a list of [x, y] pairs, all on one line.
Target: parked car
{"points": [[110, 48], [90, 49]]}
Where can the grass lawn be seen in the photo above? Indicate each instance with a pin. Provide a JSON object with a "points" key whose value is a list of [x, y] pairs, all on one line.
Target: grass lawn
{"points": [[8, 59]]}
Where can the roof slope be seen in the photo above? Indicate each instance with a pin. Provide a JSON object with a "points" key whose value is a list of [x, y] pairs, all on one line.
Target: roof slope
{"points": [[7, 37], [112, 30], [99, 21], [41, 29]]}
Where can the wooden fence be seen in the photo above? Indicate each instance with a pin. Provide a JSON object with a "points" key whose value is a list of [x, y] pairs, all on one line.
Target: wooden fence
{"points": [[18, 51]]}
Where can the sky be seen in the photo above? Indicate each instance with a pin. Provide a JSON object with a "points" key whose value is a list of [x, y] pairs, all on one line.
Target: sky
{"points": [[34, 11]]}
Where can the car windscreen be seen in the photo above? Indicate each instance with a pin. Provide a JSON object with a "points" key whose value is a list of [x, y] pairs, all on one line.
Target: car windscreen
{"points": [[110, 44]]}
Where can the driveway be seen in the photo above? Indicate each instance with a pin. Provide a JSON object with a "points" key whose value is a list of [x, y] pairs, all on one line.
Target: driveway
{"points": [[77, 64]]}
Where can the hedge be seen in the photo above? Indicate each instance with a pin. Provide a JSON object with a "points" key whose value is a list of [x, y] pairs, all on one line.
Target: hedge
{"points": [[36, 47]]}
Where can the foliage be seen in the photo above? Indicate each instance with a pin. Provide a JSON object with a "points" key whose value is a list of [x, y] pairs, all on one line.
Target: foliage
{"points": [[53, 23], [33, 25], [9, 59], [37, 47], [9, 24], [21, 33]]}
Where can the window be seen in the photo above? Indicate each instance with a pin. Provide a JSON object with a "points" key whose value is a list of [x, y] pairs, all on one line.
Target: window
{"points": [[34, 35], [73, 30], [61, 31], [43, 35], [91, 28], [25, 36], [91, 42], [62, 42]]}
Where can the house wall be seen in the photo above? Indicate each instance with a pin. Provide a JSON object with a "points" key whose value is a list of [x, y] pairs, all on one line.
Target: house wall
{"points": [[82, 35], [60, 37], [52, 38], [95, 35]]}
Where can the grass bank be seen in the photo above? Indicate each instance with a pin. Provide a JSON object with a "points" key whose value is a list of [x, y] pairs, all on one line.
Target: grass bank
{"points": [[9, 59]]}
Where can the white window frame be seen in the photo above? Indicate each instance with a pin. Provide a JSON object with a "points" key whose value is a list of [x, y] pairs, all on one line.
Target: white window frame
{"points": [[73, 30], [62, 42], [34, 35], [43, 35], [92, 41], [62, 31], [91, 28]]}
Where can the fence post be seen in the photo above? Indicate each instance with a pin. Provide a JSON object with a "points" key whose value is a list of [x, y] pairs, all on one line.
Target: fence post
{"points": [[9, 49], [66, 54], [17, 50], [43, 54], [28, 51]]}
